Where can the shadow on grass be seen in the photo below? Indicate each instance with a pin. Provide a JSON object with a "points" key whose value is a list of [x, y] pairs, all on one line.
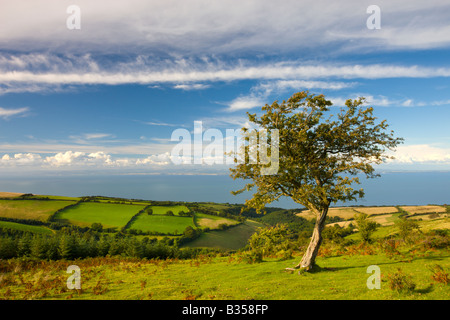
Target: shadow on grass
{"points": [[425, 290], [334, 269]]}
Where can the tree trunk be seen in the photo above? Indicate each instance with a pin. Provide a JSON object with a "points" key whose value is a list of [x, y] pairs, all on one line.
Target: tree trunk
{"points": [[309, 258]]}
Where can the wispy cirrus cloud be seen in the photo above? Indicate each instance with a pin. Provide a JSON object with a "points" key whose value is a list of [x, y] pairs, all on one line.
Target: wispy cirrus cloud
{"points": [[383, 101], [288, 70], [7, 113], [260, 93]]}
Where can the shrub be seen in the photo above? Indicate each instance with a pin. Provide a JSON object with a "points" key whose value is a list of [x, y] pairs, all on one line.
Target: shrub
{"points": [[271, 241], [400, 282], [407, 228], [365, 226], [439, 275]]}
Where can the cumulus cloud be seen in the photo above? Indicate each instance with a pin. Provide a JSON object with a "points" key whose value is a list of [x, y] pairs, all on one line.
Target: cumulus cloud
{"points": [[21, 159]]}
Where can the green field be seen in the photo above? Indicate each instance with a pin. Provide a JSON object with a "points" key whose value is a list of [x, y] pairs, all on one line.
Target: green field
{"points": [[109, 215], [31, 209], [343, 277], [25, 227], [215, 275], [232, 238], [163, 209], [161, 223]]}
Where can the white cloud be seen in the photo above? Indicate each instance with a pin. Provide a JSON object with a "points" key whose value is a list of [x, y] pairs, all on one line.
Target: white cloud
{"points": [[222, 26], [8, 113], [246, 102], [90, 136], [421, 154], [158, 159], [192, 86], [271, 71], [383, 101], [21, 159], [260, 93]]}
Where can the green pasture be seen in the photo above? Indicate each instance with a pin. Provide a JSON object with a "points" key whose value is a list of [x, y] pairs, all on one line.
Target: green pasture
{"points": [[233, 238], [163, 209], [109, 215], [161, 223], [24, 227]]}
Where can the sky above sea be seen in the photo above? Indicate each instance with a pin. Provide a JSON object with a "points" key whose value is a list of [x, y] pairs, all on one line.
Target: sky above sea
{"points": [[100, 89]]}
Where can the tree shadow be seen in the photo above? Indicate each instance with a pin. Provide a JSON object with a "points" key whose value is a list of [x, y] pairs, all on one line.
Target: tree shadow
{"points": [[334, 269], [425, 290]]}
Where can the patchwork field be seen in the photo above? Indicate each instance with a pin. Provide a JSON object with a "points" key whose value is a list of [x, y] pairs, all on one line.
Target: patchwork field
{"points": [[423, 209], [343, 212], [163, 209], [109, 215], [161, 223], [31, 209], [212, 222], [233, 238], [376, 210]]}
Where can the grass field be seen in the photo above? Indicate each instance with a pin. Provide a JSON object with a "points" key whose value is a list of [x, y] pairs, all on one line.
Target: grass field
{"points": [[9, 194], [423, 209], [109, 215], [233, 238], [376, 210], [164, 209], [30, 209], [162, 223], [212, 222], [342, 277], [25, 227], [344, 213]]}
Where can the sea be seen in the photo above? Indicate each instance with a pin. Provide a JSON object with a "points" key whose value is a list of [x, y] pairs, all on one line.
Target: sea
{"points": [[391, 188]]}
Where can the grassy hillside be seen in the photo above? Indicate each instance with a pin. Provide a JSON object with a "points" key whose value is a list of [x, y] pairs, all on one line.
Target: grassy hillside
{"points": [[31, 209], [233, 238], [163, 271], [25, 227], [340, 277], [212, 222]]}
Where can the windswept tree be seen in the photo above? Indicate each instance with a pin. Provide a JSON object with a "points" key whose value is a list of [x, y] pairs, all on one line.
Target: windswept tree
{"points": [[320, 156]]}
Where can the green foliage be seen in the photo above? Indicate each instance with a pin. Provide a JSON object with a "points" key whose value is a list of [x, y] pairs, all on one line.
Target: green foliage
{"points": [[270, 241], [318, 151], [69, 244], [96, 226], [336, 233], [407, 228], [287, 217], [365, 227]]}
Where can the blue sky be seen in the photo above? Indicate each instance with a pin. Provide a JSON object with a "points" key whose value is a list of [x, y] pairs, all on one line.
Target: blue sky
{"points": [[107, 97]]}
